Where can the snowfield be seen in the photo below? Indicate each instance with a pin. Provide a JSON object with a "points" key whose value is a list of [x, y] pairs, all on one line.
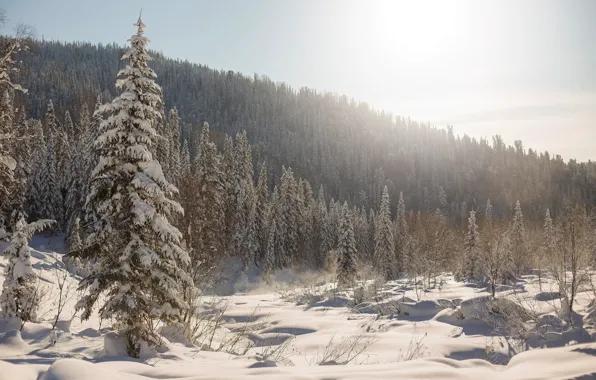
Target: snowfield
{"points": [[312, 331]]}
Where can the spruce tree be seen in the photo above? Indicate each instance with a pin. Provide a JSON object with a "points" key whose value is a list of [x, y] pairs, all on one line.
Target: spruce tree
{"points": [[243, 189], [20, 296], [260, 217], [50, 198], [208, 212], [175, 151], [275, 256], [401, 232], [38, 155], [346, 250], [138, 250], [519, 248], [289, 217], [384, 243], [323, 243], [472, 248]]}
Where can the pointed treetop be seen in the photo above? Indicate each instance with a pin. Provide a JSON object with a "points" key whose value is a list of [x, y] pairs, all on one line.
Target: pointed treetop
{"points": [[140, 25]]}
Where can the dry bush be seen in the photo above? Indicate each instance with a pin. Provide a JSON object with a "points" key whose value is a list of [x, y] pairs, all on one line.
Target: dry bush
{"points": [[278, 353], [344, 351], [416, 349]]}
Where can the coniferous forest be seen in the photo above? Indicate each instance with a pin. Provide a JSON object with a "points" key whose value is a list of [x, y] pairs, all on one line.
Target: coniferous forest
{"points": [[168, 178]]}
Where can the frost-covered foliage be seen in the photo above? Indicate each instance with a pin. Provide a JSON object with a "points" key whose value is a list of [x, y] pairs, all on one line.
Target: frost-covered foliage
{"points": [[519, 246], [384, 243], [472, 248], [138, 250], [20, 294], [346, 250]]}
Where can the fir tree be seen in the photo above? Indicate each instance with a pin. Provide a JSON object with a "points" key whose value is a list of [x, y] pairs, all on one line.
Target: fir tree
{"points": [[384, 243], [289, 217], [346, 250], [20, 296], [275, 257], [519, 248], [260, 217], [243, 189], [401, 232], [38, 155], [137, 248], [50, 198], [472, 248], [209, 212], [174, 153]]}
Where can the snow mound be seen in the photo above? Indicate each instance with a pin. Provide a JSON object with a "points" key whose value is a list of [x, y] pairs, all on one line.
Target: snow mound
{"points": [[9, 371], [72, 369], [114, 345], [487, 307], [422, 309], [11, 342], [174, 333]]}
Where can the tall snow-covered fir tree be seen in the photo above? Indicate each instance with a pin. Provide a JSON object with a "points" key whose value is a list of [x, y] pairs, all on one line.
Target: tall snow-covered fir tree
{"points": [[173, 128], [471, 248], [384, 243], [260, 217], [323, 242], [288, 216], [138, 250], [49, 197], [401, 234], [243, 189], [275, 256], [346, 250], [208, 210], [518, 238], [20, 295]]}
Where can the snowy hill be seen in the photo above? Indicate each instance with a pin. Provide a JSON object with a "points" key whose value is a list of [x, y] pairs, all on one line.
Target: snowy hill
{"points": [[286, 331]]}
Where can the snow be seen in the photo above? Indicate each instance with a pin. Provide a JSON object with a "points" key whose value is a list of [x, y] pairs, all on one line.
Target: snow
{"points": [[444, 340]]}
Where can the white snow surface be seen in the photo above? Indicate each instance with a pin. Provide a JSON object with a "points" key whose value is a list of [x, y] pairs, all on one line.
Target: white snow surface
{"points": [[451, 346]]}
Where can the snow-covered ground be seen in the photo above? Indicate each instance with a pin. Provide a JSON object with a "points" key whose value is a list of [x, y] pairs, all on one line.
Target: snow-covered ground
{"points": [[287, 331]]}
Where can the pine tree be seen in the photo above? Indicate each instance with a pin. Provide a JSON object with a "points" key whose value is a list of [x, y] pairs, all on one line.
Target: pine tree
{"points": [[174, 153], [549, 244], [260, 217], [20, 296], [488, 215], [50, 198], [346, 250], [275, 257], [22, 154], [323, 242], [38, 155], [230, 183], [209, 212], [401, 232], [472, 248], [519, 248], [137, 248], [289, 217], [243, 193], [384, 243]]}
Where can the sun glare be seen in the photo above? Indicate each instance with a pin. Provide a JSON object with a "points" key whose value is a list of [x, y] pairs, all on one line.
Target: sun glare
{"points": [[425, 29]]}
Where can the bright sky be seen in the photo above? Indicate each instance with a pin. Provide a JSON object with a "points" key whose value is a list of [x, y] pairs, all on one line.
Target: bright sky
{"points": [[522, 69]]}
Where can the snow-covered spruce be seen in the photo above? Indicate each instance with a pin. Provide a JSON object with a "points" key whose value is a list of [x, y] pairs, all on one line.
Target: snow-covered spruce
{"points": [[384, 243], [346, 250], [20, 293], [139, 251]]}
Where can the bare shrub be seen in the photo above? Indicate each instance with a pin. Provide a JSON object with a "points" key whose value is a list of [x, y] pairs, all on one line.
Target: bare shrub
{"points": [[416, 349], [343, 351]]}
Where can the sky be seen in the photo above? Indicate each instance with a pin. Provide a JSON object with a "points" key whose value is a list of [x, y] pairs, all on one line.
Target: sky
{"points": [[523, 69]]}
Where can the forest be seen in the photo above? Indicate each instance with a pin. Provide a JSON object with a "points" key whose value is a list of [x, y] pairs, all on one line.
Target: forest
{"points": [[169, 181]]}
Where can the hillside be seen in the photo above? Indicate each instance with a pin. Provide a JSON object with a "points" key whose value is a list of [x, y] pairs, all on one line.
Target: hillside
{"points": [[347, 146]]}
